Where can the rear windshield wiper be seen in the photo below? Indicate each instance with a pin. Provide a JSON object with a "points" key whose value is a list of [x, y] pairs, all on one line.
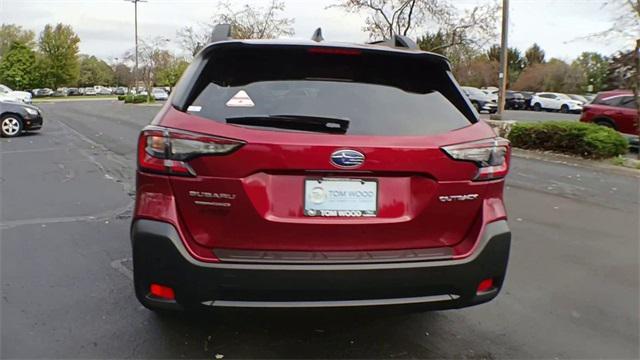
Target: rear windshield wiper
{"points": [[294, 122]]}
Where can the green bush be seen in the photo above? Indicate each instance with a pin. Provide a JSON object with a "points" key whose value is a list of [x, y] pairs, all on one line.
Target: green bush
{"points": [[121, 97], [586, 140], [135, 99]]}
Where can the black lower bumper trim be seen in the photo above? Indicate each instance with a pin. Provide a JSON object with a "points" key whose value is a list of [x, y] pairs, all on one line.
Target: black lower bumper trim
{"points": [[160, 257]]}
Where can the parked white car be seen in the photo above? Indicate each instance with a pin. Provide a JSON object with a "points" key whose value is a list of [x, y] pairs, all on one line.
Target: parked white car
{"points": [[159, 94], [492, 94], [90, 91], [9, 94], [104, 91], [555, 102]]}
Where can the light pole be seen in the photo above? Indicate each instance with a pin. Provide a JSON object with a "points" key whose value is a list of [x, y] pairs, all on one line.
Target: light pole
{"points": [[135, 69], [503, 59]]}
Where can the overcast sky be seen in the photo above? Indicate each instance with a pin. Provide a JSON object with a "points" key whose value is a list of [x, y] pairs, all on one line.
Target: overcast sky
{"points": [[105, 27]]}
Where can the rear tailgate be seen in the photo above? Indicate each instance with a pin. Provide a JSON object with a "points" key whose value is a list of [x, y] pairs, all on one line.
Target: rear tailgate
{"points": [[395, 108], [263, 184]]}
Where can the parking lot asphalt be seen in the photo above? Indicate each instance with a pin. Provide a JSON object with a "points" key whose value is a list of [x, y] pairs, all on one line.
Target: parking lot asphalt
{"points": [[572, 289]]}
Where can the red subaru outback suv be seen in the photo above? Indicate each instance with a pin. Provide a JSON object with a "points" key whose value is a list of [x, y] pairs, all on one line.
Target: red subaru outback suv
{"points": [[616, 109], [319, 174]]}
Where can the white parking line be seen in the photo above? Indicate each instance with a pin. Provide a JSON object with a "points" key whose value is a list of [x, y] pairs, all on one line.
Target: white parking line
{"points": [[2, 152], [117, 264], [103, 216]]}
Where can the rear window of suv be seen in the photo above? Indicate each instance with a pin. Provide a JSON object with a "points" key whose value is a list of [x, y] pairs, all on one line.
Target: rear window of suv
{"points": [[350, 91], [624, 101]]}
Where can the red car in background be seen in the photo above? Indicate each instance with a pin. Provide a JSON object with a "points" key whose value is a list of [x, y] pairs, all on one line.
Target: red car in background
{"points": [[616, 109]]}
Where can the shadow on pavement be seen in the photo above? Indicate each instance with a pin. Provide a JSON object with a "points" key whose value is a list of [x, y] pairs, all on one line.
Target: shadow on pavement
{"points": [[300, 334]]}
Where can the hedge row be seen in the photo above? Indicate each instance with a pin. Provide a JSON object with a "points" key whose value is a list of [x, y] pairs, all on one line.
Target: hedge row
{"points": [[586, 140], [134, 99]]}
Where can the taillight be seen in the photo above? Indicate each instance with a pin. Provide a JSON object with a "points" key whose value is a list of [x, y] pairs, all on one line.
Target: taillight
{"points": [[490, 155], [168, 151]]}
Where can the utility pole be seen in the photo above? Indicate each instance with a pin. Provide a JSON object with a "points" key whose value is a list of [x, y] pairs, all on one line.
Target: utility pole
{"points": [[503, 59], [135, 12]]}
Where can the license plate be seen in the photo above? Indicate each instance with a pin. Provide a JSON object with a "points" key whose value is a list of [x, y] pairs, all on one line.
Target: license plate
{"points": [[340, 197]]}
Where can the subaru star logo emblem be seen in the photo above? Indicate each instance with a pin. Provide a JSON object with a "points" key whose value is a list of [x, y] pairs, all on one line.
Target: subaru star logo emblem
{"points": [[347, 158]]}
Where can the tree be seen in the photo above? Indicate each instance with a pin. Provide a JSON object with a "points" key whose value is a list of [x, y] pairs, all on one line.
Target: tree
{"points": [[388, 17], [534, 55], [555, 75], [247, 22], [152, 59], [478, 72], [94, 71], [625, 20], [595, 68], [122, 74], [621, 71], [256, 23], [169, 75], [59, 48], [17, 67], [515, 64], [404, 17], [191, 40], [435, 42], [10, 33], [515, 61], [461, 37]]}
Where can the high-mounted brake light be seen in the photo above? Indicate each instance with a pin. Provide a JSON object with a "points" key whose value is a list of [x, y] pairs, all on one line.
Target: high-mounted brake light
{"points": [[334, 51], [490, 155], [168, 151]]}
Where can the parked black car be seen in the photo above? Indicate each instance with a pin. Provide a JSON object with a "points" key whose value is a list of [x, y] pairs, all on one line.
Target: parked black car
{"points": [[527, 98], [73, 92], [514, 101], [480, 100], [16, 117]]}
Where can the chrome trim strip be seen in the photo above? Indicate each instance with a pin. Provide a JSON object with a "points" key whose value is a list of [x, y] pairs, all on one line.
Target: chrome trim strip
{"points": [[332, 257], [331, 303]]}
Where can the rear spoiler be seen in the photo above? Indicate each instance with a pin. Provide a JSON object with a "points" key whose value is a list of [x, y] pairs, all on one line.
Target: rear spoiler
{"points": [[223, 32]]}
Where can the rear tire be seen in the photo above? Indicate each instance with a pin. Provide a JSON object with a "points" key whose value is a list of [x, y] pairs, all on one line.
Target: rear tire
{"points": [[11, 125], [537, 107], [606, 123]]}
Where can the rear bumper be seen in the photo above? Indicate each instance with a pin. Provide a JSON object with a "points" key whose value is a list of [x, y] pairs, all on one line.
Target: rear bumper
{"points": [[160, 257]]}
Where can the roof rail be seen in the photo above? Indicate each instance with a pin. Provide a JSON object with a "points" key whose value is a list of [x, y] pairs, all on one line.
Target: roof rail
{"points": [[221, 32], [399, 41], [317, 35]]}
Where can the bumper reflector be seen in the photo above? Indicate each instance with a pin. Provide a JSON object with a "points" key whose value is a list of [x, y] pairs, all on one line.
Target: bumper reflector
{"points": [[162, 292], [485, 285]]}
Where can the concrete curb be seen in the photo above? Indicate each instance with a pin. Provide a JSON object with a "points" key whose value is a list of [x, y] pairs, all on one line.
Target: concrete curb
{"points": [[604, 165], [502, 128], [66, 100]]}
